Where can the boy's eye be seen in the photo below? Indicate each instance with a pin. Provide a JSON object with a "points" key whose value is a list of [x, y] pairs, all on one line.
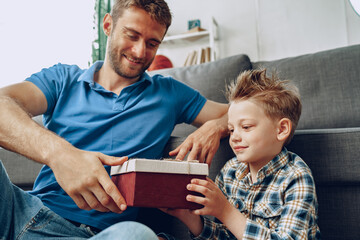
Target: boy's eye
{"points": [[246, 127]]}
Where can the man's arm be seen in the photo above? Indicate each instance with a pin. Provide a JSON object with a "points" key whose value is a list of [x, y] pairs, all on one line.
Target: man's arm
{"points": [[204, 142], [80, 173]]}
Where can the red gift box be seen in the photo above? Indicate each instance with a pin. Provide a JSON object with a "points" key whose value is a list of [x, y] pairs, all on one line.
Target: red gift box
{"points": [[158, 183]]}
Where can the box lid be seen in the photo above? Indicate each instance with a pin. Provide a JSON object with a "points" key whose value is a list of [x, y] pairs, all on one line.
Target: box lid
{"points": [[161, 166]]}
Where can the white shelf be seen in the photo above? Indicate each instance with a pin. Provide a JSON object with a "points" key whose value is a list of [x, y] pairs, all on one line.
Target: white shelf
{"points": [[186, 36], [207, 38]]}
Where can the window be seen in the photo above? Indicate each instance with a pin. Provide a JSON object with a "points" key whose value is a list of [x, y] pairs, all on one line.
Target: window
{"points": [[40, 33]]}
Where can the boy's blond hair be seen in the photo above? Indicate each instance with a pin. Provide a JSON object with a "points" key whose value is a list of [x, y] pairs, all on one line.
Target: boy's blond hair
{"points": [[278, 98]]}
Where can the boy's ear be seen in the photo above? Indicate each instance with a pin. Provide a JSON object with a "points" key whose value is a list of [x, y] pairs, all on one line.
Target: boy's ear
{"points": [[284, 129]]}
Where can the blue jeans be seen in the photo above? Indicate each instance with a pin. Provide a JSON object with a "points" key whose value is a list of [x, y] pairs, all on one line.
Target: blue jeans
{"points": [[24, 216]]}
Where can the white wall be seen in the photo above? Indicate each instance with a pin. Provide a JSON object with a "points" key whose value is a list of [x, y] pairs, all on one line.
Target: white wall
{"points": [[269, 29], [40, 33]]}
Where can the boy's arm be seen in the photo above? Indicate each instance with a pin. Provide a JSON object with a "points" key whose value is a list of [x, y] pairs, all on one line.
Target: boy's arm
{"points": [[299, 209], [216, 204], [203, 227], [204, 142]]}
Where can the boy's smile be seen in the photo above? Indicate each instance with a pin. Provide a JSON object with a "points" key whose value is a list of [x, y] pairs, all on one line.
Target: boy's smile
{"points": [[238, 148]]}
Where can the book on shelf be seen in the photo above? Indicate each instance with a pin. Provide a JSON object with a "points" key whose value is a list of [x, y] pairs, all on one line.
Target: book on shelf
{"points": [[196, 29], [202, 55], [208, 54], [187, 60]]}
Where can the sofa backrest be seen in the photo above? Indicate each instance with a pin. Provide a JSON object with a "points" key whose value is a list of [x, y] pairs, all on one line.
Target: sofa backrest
{"points": [[329, 84], [22, 171], [209, 79]]}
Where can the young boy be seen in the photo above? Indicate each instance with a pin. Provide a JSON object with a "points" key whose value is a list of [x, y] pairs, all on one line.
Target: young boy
{"points": [[265, 192]]}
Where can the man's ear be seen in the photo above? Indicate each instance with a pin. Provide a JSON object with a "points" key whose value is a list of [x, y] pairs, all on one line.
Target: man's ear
{"points": [[284, 129], [107, 24]]}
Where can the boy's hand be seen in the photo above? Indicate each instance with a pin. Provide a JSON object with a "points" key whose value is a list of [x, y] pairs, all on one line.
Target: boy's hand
{"points": [[214, 201]]}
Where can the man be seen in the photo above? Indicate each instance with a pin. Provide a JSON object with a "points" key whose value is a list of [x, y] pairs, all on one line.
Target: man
{"points": [[101, 116]]}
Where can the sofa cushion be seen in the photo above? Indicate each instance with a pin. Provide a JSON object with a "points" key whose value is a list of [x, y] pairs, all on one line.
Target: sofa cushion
{"points": [[330, 153], [329, 84], [333, 157], [22, 171], [209, 79]]}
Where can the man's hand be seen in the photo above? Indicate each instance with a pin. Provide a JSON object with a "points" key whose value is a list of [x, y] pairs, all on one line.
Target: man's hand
{"points": [[83, 176], [202, 144]]}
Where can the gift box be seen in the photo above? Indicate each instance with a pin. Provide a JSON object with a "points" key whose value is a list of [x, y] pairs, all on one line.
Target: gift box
{"points": [[158, 183]]}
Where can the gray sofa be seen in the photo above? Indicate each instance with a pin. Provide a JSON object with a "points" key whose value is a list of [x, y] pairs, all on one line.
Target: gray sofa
{"points": [[327, 138]]}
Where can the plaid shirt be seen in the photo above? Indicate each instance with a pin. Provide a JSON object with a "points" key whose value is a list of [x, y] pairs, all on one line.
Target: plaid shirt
{"points": [[282, 204]]}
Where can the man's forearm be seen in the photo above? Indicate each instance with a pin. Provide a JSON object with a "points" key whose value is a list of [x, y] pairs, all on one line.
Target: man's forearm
{"points": [[220, 125], [20, 134]]}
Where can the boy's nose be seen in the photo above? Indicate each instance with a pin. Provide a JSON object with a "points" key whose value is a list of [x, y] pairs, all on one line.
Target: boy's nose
{"points": [[236, 136]]}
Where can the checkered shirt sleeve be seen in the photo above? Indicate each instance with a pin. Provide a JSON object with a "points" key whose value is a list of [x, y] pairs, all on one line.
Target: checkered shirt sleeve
{"points": [[213, 230], [282, 204]]}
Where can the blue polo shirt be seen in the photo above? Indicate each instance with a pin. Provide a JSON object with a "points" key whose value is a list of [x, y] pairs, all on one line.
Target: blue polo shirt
{"points": [[136, 123]]}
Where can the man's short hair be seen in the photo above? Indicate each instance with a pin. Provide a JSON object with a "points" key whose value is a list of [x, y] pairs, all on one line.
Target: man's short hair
{"points": [[278, 98], [157, 9]]}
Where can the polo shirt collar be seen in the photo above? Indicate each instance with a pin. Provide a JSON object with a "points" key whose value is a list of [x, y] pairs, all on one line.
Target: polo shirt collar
{"points": [[88, 75]]}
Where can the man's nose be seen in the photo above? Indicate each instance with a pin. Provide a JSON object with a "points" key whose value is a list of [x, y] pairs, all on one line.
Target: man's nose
{"points": [[139, 49]]}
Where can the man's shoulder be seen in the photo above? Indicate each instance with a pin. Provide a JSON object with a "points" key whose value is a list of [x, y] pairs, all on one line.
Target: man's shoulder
{"points": [[169, 83], [59, 71], [161, 78], [66, 67], [56, 75]]}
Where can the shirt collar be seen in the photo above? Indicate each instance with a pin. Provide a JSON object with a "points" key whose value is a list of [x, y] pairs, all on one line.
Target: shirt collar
{"points": [[278, 162], [88, 75]]}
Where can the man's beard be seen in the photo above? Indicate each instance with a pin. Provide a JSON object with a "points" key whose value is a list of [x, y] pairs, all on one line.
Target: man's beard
{"points": [[120, 69]]}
